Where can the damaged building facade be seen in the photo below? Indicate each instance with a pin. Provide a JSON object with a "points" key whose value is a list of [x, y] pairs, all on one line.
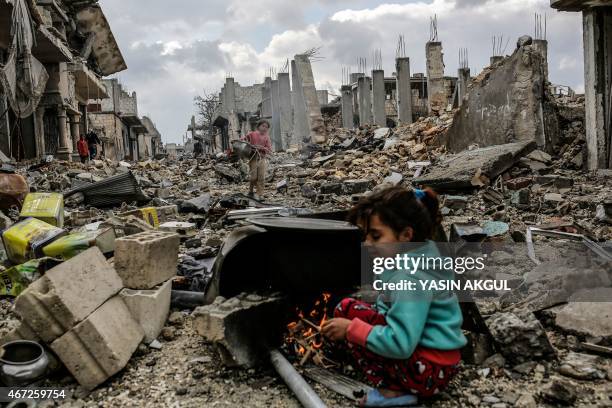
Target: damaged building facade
{"points": [[51, 74], [597, 38], [116, 122]]}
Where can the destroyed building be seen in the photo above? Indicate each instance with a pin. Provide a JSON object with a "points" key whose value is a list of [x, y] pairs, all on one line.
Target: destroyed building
{"points": [[158, 281], [48, 115], [116, 122], [69, 48]]}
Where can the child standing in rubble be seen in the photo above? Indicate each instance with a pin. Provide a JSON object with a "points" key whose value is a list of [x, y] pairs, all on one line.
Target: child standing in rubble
{"points": [[262, 146], [406, 348]]}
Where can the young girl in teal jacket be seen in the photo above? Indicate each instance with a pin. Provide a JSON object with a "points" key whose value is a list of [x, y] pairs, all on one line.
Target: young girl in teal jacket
{"points": [[406, 348]]}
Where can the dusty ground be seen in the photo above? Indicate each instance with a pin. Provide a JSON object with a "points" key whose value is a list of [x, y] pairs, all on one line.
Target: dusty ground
{"points": [[186, 372]]}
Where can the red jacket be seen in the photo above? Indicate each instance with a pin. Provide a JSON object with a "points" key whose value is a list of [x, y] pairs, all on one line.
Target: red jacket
{"points": [[261, 142], [82, 147]]}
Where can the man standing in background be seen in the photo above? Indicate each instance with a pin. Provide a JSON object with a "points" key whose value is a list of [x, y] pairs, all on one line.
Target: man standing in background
{"points": [[92, 142]]}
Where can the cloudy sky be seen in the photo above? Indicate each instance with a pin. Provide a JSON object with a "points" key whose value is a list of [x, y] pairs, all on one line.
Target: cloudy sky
{"points": [[178, 49]]}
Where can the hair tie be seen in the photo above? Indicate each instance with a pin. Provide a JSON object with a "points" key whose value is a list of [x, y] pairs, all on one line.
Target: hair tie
{"points": [[419, 194]]}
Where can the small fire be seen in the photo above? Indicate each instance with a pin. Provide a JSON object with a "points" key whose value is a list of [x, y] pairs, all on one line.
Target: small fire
{"points": [[304, 334]]}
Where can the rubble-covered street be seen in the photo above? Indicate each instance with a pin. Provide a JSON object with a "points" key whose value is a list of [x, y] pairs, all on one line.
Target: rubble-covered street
{"points": [[217, 272]]}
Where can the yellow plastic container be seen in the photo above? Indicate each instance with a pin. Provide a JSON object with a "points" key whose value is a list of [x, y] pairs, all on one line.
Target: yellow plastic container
{"points": [[147, 214], [73, 244], [26, 239], [47, 207]]}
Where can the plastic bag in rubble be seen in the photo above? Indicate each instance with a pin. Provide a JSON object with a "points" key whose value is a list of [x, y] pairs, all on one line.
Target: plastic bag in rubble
{"points": [[195, 271], [16, 279]]}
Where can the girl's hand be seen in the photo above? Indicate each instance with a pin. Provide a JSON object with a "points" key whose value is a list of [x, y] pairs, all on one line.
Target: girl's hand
{"points": [[335, 329]]}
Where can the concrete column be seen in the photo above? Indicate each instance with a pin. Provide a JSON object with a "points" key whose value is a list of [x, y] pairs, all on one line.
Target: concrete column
{"points": [[365, 100], [40, 131], [323, 96], [347, 107], [230, 94], [403, 90], [541, 46], [378, 97], [266, 98], [75, 132], [284, 93], [65, 147], [596, 89], [313, 109], [275, 132], [462, 83], [435, 76], [355, 76], [300, 131]]}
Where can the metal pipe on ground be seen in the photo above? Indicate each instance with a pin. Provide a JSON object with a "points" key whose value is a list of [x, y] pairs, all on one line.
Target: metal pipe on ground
{"points": [[296, 383], [184, 299]]}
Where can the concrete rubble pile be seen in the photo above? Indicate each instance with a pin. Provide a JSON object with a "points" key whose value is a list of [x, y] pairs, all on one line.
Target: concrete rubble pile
{"points": [[96, 314]]}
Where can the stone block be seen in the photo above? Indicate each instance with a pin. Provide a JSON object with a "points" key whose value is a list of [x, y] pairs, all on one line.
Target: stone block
{"points": [[147, 259], [242, 328], [455, 202], [331, 188], [149, 308], [67, 294], [357, 186], [521, 337], [101, 345]]}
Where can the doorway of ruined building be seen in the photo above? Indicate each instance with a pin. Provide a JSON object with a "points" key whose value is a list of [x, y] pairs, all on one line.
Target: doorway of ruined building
{"points": [[51, 131], [223, 125], [23, 137]]}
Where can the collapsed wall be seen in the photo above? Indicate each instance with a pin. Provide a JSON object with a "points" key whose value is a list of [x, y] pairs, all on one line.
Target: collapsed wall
{"points": [[507, 103]]}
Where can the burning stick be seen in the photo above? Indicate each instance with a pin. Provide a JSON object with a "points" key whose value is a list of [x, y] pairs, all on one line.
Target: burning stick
{"points": [[311, 324]]}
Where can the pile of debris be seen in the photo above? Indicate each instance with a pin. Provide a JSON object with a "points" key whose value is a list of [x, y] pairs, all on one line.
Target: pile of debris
{"points": [[134, 237]]}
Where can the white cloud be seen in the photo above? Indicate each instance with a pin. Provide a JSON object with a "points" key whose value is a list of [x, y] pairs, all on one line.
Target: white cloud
{"points": [[568, 62]]}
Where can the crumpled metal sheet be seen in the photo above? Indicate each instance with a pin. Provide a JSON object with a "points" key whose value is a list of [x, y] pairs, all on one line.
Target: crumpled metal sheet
{"points": [[112, 191]]}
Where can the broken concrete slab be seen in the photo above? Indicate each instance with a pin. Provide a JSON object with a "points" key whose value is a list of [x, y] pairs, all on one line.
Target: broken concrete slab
{"points": [[381, 133], [200, 204], [356, 186], [67, 294], [555, 180], [592, 319], [241, 327], [147, 259], [458, 171], [149, 308], [394, 179], [521, 336], [331, 188], [101, 345], [582, 366], [540, 156]]}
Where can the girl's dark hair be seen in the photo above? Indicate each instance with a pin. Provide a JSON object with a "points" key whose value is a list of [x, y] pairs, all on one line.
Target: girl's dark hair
{"points": [[261, 122], [399, 208]]}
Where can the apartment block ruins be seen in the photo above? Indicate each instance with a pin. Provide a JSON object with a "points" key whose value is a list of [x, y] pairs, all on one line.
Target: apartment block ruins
{"points": [[53, 56], [289, 101], [116, 122]]}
